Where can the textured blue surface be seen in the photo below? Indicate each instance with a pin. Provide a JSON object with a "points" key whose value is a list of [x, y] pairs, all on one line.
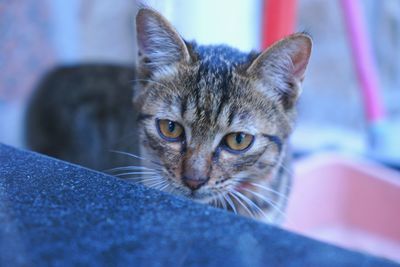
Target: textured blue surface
{"points": [[54, 213]]}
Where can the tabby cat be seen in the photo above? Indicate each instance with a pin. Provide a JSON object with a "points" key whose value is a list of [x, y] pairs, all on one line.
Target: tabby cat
{"points": [[212, 122], [215, 121]]}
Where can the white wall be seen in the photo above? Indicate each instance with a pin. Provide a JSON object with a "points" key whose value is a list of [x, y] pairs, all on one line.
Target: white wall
{"points": [[233, 22]]}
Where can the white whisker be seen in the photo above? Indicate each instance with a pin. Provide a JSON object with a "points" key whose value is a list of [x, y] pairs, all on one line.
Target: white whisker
{"points": [[164, 187], [241, 203], [268, 201], [250, 203], [135, 156], [221, 200], [134, 173], [269, 190], [285, 168], [156, 184], [161, 185], [129, 168], [230, 202], [141, 178]]}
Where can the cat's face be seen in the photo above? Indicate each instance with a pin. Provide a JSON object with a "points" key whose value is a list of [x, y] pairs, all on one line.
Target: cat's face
{"points": [[212, 118]]}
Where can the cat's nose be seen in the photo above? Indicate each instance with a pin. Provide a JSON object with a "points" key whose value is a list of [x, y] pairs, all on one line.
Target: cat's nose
{"points": [[193, 183]]}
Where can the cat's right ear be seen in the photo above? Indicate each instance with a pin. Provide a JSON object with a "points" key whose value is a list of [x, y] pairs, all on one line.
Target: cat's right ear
{"points": [[281, 68], [159, 43]]}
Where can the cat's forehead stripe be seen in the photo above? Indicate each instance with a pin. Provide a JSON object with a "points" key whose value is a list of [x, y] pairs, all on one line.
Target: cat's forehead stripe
{"points": [[219, 57]]}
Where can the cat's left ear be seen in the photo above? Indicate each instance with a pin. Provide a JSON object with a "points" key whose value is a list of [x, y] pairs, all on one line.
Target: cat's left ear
{"points": [[159, 43], [280, 69]]}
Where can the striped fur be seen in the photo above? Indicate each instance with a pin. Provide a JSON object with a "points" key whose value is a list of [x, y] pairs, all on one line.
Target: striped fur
{"points": [[213, 91]]}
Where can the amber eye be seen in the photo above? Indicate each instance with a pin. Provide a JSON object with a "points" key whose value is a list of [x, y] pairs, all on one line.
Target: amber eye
{"points": [[238, 142], [170, 130]]}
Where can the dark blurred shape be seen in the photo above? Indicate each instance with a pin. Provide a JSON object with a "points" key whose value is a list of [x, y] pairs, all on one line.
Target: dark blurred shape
{"points": [[81, 113]]}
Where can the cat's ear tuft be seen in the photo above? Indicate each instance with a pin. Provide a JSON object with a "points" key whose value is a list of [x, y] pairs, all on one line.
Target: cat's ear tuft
{"points": [[159, 43], [282, 66]]}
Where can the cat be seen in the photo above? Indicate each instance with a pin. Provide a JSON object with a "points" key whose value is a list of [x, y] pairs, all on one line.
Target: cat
{"points": [[212, 122], [215, 121]]}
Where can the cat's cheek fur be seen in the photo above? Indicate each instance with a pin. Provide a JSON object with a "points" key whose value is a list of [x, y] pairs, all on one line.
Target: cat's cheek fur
{"points": [[170, 160]]}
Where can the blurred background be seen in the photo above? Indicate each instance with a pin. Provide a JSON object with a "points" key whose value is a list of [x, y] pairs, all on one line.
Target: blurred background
{"points": [[35, 36], [351, 94]]}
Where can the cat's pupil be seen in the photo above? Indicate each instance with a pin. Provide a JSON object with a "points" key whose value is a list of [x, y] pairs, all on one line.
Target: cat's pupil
{"points": [[171, 126], [239, 137]]}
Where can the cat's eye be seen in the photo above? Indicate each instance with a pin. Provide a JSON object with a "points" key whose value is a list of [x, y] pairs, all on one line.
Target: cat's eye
{"points": [[170, 130], [238, 142]]}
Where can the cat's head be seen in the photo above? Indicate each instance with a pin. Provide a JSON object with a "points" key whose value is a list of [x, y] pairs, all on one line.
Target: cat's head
{"points": [[212, 117]]}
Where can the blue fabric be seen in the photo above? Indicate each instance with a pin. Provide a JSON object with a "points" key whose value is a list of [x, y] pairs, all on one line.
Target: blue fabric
{"points": [[55, 213]]}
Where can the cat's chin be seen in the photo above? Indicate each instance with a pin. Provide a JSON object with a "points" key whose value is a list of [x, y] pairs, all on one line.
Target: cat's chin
{"points": [[208, 200], [204, 200], [200, 197]]}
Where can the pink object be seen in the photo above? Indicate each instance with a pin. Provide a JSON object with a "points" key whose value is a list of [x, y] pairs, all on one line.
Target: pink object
{"points": [[278, 20], [347, 202], [365, 67]]}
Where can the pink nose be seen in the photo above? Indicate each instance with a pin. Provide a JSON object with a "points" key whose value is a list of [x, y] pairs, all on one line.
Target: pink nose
{"points": [[194, 184]]}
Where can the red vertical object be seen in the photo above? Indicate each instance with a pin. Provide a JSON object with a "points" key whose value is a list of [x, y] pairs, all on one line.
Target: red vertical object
{"points": [[278, 20]]}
